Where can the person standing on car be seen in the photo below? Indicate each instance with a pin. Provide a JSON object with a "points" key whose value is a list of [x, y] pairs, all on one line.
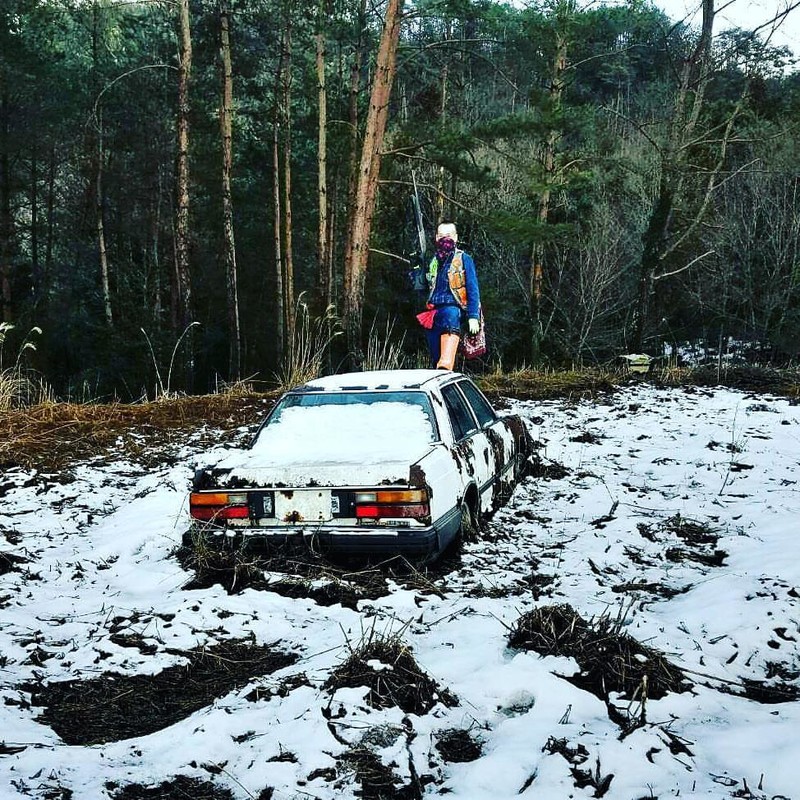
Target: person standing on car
{"points": [[454, 294]]}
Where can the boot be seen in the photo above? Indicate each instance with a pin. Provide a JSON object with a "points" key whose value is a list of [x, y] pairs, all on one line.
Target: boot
{"points": [[448, 348]]}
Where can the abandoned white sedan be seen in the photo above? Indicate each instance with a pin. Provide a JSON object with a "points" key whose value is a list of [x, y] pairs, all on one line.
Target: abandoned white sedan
{"points": [[366, 463]]}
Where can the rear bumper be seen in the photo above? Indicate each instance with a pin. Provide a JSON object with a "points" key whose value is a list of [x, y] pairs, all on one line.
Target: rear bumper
{"points": [[418, 543]]}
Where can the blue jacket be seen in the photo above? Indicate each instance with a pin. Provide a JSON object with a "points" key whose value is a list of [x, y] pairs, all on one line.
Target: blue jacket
{"points": [[445, 288]]}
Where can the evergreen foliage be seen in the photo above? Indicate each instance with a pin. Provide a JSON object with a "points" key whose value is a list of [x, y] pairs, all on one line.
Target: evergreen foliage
{"points": [[568, 179]]}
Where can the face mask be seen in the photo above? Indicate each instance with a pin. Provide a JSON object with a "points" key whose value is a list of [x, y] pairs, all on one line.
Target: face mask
{"points": [[444, 248]]}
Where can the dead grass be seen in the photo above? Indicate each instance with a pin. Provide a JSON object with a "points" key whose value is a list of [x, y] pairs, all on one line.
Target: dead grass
{"points": [[387, 667], [458, 746], [308, 575], [377, 780], [529, 384], [609, 660], [751, 377], [52, 436], [9, 562], [179, 788], [115, 707]]}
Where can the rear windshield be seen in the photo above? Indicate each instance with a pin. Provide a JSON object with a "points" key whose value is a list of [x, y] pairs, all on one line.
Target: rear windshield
{"points": [[354, 415]]}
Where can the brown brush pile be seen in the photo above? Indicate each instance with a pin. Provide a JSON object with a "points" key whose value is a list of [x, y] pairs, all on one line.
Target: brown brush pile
{"points": [[311, 577], [180, 788], [609, 660], [387, 667], [115, 707], [51, 436]]}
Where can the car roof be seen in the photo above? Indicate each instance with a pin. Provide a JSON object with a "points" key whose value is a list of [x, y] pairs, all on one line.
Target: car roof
{"points": [[379, 380]]}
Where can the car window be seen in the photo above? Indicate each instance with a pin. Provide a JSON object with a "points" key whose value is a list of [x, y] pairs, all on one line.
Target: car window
{"points": [[381, 404], [479, 404], [460, 417]]}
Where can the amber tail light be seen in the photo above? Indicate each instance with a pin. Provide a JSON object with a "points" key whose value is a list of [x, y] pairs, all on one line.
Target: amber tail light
{"points": [[212, 506], [392, 504]]}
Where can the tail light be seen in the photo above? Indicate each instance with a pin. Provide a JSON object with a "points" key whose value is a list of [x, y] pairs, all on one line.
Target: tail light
{"points": [[213, 506], [392, 503]]}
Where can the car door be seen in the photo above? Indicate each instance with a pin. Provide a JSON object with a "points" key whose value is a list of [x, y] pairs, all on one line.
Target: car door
{"points": [[472, 444]]}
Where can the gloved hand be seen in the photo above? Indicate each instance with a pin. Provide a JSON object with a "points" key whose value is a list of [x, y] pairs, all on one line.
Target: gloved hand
{"points": [[474, 326]]}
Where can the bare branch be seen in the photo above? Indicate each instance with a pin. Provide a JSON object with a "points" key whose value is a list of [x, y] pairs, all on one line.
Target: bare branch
{"points": [[685, 267]]}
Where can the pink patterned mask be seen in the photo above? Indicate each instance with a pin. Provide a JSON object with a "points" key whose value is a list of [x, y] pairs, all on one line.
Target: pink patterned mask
{"points": [[444, 249]]}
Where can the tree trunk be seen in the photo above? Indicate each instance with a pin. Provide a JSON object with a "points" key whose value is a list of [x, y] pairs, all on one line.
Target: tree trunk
{"points": [[352, 172], [288, 279], [226, 126], [182, 265], [100, 225], [442, 112], [51, 204], [322, 160], [688, 105], [363, 209], [536, 278], [277, 228], [6, 220], [280, 311], [36, 267]]}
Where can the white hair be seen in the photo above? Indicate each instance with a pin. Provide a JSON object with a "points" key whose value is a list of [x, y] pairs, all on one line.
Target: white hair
{"points": [[447, 229]]}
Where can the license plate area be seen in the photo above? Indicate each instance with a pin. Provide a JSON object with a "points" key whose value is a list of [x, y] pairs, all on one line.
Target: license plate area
{"points": [[302, 506]]}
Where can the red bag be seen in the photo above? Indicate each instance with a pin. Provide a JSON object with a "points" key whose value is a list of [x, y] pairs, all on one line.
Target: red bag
{"points": [[425, 318], [474, 346]]}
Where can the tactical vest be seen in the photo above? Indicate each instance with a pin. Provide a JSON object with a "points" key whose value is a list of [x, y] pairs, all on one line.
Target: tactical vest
{"points": [[456, 277]]}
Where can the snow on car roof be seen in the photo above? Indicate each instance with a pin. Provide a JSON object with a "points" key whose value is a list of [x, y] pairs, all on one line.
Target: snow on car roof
{"points": [[377, 379], [335, 434]]}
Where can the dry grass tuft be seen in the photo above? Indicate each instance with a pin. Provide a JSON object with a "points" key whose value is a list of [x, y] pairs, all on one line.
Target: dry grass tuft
{"points": [[383, 351], [529, 384], [385, 665], [237, 565], [609, 660], [52, 436], [749, 377], [178, 788], [309, 345]]}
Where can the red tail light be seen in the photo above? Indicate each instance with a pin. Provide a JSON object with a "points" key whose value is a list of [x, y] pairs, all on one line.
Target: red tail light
{"points": [[211, 506], [392, 504]]}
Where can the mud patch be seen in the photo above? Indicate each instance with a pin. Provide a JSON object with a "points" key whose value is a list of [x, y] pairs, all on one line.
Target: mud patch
{"points": [[458, 746], [645, 587], [609, 660], [115, 707], [179, 788], [232, 568], [575, 756], [9, 562], [328, 594], [386, 666], [698, 540], [546, 469], [377, 780], [768, 692], [587, 437]]}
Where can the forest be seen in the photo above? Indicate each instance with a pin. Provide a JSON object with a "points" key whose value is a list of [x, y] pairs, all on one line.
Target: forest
{"points": [[195, 193]]}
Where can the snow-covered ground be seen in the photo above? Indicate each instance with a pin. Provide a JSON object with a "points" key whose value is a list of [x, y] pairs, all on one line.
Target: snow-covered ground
{"points": [[99, 545]]}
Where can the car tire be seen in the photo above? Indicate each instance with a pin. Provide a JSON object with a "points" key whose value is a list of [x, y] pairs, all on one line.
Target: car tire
{"points": [[468, 531]]}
